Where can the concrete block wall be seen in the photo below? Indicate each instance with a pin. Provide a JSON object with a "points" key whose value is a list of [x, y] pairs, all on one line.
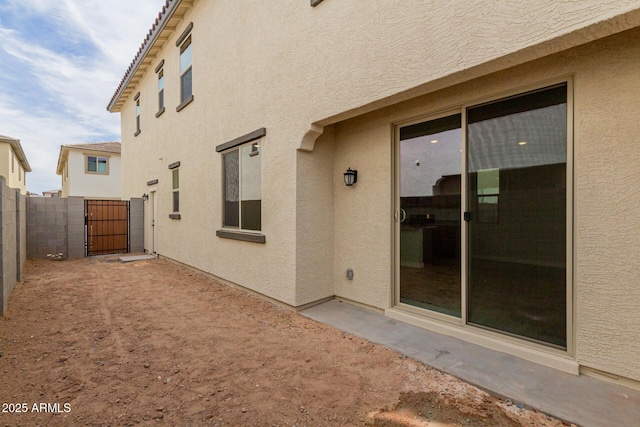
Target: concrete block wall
{"points": [[47, 227], [57, 225], [12, 241], [75, 227], [136, 225], [21, 233]]}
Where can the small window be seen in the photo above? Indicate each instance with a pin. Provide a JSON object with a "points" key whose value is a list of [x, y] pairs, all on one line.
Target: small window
{"points": [[97, 164], [186, 81], [243, 188], [19, 173], [160, 92], [176, 190], [13, 159], [137, 118]]}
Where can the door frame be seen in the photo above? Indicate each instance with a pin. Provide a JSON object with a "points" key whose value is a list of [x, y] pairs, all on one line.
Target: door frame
{"points": [[109, 231], [153, 218], [459, 327], [396, 220]]}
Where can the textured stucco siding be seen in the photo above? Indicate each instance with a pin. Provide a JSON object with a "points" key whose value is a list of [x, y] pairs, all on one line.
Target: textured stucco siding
{"points": [[606, 153], [315, 221], [218, 114], [356, 68], [16, 177], [5, 161]]}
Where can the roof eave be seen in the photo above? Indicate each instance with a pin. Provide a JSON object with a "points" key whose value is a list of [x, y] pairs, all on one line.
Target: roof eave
{"points": [[151, 39], [61, 158], [17, 149]]}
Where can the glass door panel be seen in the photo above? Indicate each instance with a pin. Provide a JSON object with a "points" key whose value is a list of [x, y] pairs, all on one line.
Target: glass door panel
{"points": [[430, 210], [517, 199]]}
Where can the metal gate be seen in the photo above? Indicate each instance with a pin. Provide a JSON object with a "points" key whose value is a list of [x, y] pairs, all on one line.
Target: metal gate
{"points": [[106, 227]]}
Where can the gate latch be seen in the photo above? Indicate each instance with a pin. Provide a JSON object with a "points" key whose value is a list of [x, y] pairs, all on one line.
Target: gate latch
{"points": [[467, 216]]}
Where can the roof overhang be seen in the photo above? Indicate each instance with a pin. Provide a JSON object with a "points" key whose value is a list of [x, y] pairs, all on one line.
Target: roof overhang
{"points": [[168, 19], [17, 148], [62, 158]]}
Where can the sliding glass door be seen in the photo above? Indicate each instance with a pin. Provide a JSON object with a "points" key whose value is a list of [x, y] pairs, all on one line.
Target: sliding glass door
{"points": [[430, 201], [505, 176], [517, 199]]}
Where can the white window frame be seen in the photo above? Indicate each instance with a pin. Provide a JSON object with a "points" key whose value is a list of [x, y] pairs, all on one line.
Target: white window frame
{"points": [[98, 158]]}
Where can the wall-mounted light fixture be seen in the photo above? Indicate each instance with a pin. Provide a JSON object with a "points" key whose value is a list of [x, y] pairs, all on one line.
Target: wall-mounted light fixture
{"points": [[350, 177], [145, 197]]}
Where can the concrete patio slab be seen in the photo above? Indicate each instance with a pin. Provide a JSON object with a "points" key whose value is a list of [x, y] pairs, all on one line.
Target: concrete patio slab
{"points": [[132, 258], [582, 400]]}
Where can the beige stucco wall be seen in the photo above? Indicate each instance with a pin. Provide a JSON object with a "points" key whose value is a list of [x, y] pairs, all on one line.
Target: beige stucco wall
{"points": [[16, 177], [92, 185], [288, 66], [607, 152]]}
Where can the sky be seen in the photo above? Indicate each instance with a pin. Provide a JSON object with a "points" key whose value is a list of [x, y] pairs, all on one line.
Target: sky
{"points": [[60, 63]]}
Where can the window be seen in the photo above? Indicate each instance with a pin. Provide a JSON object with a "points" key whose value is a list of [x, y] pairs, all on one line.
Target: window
{"points": [[19, 173], [13, 159], [176, 190], [186, 74], [97, 164], [137, 117], [243, 187], [186, 78], [160, 92]]}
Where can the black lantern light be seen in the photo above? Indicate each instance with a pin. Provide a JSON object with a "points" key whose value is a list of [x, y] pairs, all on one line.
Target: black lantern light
{"points": [[145, 197], [350, 177]]}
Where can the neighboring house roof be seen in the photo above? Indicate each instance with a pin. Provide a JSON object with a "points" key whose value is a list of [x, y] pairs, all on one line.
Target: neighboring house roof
{"points": [[51, 191], [17, 148], [170, 8], [103, 147]]}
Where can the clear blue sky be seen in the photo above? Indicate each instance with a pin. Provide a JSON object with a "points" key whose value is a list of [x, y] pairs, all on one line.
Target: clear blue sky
{"points": [[60, 63]]}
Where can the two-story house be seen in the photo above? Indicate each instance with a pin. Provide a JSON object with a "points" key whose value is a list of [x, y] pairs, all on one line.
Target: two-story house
{"points": [[91, 171], [466, 167]]}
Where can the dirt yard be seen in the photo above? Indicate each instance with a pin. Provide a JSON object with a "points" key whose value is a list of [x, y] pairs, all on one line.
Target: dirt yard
{"points": [[100, 342]]}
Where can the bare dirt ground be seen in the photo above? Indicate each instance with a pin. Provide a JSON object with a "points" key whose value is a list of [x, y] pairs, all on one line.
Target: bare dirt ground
{"points": [[105, 343]]}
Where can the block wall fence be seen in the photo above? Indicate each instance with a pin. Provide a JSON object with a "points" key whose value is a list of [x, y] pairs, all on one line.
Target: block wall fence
{"points": [[34, 227], [13, 244]]}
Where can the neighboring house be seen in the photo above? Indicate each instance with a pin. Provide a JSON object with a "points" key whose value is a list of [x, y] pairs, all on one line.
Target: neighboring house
{"points": [[496, 147], [51, 193], [91, 170], [13, 163]]}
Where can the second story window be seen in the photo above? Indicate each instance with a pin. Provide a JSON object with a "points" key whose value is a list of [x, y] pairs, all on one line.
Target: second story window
{"points": [[160, 73], [186, 71], [137, 99], [97, 164], [186, 85], [161, 91]]}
